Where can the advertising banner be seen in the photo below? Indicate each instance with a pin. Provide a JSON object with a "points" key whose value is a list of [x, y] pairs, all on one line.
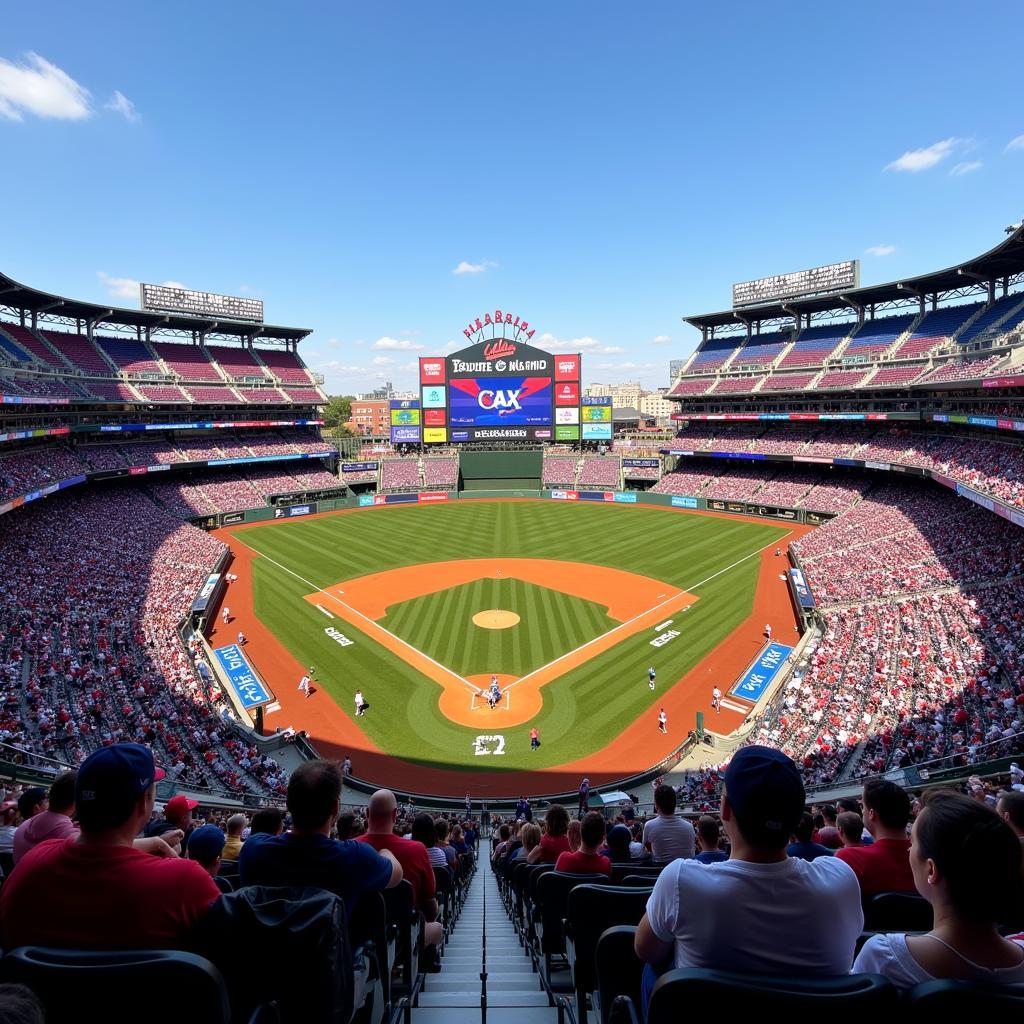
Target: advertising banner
{"points": [[251, 693], [803, 592], [404, 417], [641, 463], [565, 495], [434, 398], [359, 467], [435, 435], [231, 518], [597, 431], [681, 501], [752, 685], [597, 400], [432, 370], [596, 413], [429, 497], [567, 433], [433, 417], [403, 435], [567, 394], [365, 499], [567, 415], [293, 510], [567, 367], [625, 497]]}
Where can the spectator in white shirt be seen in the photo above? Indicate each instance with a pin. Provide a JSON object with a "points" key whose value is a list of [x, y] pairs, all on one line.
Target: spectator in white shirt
{"points": [[667, 836]]}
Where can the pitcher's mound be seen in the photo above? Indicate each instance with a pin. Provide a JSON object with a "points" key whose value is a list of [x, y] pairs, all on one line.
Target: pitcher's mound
{"points": [[495, 619]]}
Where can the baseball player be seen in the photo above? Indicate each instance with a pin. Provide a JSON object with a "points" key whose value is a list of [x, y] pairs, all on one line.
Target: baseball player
{"points": [[359, 703], [768, 630], [650, 677], [241, 639], [225, 614], [304, 685], [662, 721], [716, 699]]}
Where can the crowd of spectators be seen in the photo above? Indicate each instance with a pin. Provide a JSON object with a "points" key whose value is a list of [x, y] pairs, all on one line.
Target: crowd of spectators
{"points": [[89, 649]]}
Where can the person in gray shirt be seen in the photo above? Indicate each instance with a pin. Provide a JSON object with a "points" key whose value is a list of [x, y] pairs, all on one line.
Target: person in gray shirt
{"points": [[666, 836]]}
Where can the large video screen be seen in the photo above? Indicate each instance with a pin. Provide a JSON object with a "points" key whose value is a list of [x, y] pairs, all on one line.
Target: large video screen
{"points": [[500, 401]]}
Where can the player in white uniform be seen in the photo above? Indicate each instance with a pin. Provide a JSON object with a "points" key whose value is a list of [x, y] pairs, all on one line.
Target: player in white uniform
{"points": [[359, 703], [768, 630], [304, 685], [716, 699], [662, 721], [225, 614]]}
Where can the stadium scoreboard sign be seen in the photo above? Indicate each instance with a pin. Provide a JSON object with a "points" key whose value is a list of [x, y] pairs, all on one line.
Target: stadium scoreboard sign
{"points": [[167, 299], [499, 389], [818, 280]]}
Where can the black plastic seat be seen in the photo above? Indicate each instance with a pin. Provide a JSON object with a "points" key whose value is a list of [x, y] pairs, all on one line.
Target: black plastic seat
{"points": [[898, 912], [731, 992], [932, 999], [119, 983], [590, 911], [619, 971], [406, 920]]}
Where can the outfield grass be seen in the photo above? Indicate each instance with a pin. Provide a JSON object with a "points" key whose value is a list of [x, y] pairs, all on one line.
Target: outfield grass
{"points": [[583, 710], [550, 624]]}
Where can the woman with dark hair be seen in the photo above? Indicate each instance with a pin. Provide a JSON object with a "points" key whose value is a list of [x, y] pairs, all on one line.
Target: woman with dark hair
{"points": [[966, 864], [554, 841], [424, 831]]}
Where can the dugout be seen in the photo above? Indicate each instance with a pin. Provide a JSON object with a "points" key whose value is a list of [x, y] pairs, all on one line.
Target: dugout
{"points": [[500, 471]]}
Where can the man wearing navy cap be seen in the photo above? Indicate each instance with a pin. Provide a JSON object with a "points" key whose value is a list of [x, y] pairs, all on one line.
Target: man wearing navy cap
{"points": [[205, 846], [105, 889], [760, 911]]}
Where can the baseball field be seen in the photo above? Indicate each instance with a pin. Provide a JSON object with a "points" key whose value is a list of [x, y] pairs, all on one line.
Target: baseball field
{"points": [[567, 605]]}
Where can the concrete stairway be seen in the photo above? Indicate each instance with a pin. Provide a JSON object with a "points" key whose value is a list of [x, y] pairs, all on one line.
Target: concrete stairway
{"points": [[484, 941]]}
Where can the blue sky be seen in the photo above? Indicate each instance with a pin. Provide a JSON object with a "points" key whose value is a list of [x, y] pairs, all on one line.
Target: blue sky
{"points": [[601, 171]]}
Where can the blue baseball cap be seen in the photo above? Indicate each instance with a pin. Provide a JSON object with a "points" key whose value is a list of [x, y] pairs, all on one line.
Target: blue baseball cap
{"points": [[115, 776], [766, 793], [205, 844]]}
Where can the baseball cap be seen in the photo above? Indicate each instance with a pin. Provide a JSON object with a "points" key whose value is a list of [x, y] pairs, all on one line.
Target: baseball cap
{"points": [[178, 806], [112, 778], [206, 843], [766, 793]]}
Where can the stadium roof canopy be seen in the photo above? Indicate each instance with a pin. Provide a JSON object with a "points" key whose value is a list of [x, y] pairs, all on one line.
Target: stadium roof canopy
{"points": [[1004, 262], [31, 300]]}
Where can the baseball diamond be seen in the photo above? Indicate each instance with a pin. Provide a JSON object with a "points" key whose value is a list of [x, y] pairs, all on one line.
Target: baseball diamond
{"points": [[592, 585]]}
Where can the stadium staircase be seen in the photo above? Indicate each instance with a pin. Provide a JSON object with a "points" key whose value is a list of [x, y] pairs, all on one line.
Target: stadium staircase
{"points": [[483, 960]]}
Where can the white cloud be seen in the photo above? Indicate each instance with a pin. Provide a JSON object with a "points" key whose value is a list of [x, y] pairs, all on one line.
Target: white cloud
{"points": [[550, 343], [661, 339], [626, 366], [879, 250], [38, 87], [383, 361], [465, 267], [396, 345], [965, 168], [915, 160], [451, 346], [1016, 143], [128, 287], [120, 104]]}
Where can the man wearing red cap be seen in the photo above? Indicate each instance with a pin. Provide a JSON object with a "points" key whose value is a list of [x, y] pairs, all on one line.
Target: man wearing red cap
{"points": [[103, 890], [177, 817]]}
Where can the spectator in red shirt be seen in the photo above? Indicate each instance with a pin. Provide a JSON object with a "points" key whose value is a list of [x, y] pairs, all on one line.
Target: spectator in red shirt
{"points": [[381, 815], [884, 866], [100, 891], [587, 860], [554, 841]]}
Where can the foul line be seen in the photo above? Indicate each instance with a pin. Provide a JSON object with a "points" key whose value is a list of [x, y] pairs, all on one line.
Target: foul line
{"points": [[366, 618], [622, 625]]}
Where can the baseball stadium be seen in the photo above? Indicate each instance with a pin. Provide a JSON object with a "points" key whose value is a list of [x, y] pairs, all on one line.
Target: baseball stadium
{"points": [[502, 697]]}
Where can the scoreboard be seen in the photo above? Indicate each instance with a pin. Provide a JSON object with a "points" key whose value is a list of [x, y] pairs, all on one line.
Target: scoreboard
{"points": [[498, 389]]}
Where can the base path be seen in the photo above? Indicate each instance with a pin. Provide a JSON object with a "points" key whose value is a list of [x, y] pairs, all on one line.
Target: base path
{"points": [[637, 602], [637, 748]]}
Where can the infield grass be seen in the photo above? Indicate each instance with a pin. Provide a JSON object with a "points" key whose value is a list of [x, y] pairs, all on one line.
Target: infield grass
{"points": [[585, 708]]}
